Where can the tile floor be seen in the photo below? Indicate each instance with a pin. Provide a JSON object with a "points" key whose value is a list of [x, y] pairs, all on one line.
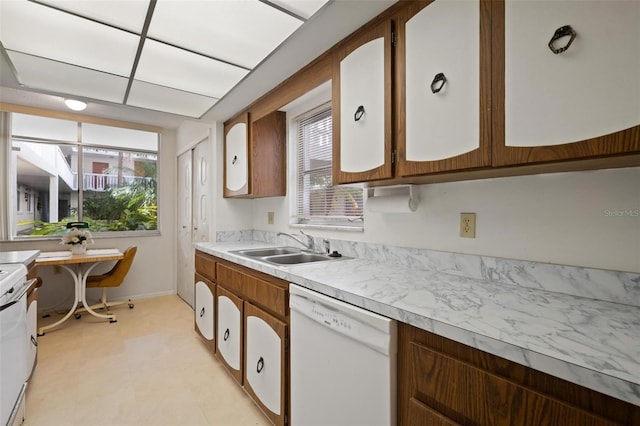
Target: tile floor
{"points": [[149, 368]]}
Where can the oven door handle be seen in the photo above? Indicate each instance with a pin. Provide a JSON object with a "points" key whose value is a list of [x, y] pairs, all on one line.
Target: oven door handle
{"points": [[15, 297]]}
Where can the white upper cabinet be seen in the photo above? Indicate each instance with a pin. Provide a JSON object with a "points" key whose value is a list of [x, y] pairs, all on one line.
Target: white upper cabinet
{"points": [[362, 107], [588, 90], [236, 157], [571, 88], [442, 80]]}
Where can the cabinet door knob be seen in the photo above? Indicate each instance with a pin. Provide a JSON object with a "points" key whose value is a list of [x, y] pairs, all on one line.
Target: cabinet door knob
{"points": [[235, 159], [359, 113], [260, 365], [438, 82], [226, 335], [564, 31], [202, 313]]}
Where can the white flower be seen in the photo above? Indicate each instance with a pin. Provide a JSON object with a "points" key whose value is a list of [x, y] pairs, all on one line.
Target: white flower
{"points": [[77, 236]]}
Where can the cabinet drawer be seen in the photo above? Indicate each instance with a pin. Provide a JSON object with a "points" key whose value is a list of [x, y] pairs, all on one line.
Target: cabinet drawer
{"points": [[461, 391], [268, 295], [205, 265]]}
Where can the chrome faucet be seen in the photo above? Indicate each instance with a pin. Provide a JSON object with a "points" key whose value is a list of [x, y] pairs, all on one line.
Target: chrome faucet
{"points": [[309, 244]]}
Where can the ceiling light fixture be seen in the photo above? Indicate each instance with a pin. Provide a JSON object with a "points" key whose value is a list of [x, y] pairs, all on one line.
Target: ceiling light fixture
{"points": [[75, 104]]}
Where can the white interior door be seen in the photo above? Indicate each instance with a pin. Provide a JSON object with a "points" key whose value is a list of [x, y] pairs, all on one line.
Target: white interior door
{"points": [[185, 250], [202, 190]]}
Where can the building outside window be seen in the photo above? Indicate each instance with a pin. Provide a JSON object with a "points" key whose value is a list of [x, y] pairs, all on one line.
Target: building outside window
{"points": [[318, 202], [103, 175]]}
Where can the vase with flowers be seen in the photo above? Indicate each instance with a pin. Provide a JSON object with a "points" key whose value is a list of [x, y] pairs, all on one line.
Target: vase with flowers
{"points": [[78, 239]]}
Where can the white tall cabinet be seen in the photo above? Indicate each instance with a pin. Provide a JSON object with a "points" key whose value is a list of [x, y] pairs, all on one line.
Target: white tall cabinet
{"points": [[195, 189]]}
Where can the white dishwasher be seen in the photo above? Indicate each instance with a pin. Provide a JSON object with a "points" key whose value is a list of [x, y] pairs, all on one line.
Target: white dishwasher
{"points": [[343, 363]]}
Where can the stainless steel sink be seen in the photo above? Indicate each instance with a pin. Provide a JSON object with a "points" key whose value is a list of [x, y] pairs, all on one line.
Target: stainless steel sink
{"points": [[290, 259], [284, 255], [268, 251]]}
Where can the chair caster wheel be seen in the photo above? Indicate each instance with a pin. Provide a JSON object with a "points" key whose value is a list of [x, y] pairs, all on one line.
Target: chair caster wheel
{"points": [[77, 316], [40, 334], [113, 320], [131, 305]]}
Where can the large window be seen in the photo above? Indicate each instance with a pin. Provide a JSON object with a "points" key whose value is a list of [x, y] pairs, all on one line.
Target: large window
{"points": [[70, 171], [318, 202]]}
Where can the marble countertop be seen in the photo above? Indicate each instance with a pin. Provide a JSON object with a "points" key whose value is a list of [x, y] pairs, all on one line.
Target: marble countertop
{"points": [[593, 343], [22, 256]]}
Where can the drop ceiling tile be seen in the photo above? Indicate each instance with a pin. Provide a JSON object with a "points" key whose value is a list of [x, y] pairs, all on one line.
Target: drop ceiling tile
{"points": [[129, 14], [303, 8], [52, 76], [151, 96], [42, 31], [240, 32], [172, 67]]}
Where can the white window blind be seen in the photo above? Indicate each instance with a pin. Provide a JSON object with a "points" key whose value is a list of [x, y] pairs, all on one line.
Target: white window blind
{"points": [[318, 202]]}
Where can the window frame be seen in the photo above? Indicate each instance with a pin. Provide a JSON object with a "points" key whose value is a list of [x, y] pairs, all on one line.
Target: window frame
{"points": [[318, 222], [9, 179]]}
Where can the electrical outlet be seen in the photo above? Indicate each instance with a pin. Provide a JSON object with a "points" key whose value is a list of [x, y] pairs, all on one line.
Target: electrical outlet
{"points": [[468, 225], [270, 218]]}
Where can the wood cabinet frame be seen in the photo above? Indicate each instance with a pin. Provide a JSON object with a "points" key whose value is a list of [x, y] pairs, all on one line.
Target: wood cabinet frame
{"points": [[266, 156], [282, 331], [622, 142], [480, 157], [457, 384]]}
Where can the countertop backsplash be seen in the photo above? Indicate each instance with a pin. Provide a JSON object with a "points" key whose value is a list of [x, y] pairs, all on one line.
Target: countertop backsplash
{"points": [[599, 284]]}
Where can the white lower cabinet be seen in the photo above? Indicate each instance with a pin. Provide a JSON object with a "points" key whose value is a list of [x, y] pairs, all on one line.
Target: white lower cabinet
{"points": [[265, 361], [229, 332], [205, 310]]}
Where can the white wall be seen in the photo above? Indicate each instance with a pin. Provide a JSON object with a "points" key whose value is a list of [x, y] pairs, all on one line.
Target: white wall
{"points": [[587, 219], [153, 271]]}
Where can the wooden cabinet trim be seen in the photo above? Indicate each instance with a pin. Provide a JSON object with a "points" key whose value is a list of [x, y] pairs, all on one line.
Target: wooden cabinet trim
{"points": [[267, 159], [205, 265], [421, 414], [583, 402], [270, 294]]}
